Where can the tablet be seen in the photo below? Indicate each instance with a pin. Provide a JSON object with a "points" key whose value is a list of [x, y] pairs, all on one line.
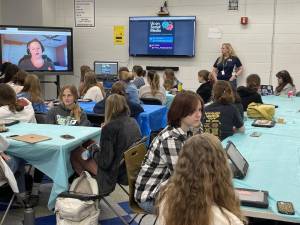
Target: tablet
{"points": [[253, 198], [9, 122], [239, 164]]}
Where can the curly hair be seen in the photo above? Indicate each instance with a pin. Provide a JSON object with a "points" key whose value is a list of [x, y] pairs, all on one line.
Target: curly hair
{"points": [[202, 178]]}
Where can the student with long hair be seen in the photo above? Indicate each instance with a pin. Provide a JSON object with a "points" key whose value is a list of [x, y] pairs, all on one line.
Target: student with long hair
{"points": [[184, 114], [285, 83], [169, 77], [200, 191], [119, 88], [118, 133], [139, 74], [153, 89], [227, 66], [204, 91], [13, 109], [10, 71], [91, 89], [32, 91], [83, 70], [250, 93], [222, 118], [68, 112], [18, 80]]}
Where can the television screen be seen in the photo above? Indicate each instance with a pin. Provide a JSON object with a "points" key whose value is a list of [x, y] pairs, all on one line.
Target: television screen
{"points": [[37, 49], [162, 36], [106, 68]]}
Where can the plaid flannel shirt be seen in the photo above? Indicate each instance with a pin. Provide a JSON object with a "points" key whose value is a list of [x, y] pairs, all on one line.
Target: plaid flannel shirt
{"points": [[159, 163]]}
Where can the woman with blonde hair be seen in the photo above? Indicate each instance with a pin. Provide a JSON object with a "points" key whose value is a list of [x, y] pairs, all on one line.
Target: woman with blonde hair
{"points": [[200, 191], [32, 91], [91, 89], [118, 133], [222, 118], [68, 112], [153, 89], [227, 66]]}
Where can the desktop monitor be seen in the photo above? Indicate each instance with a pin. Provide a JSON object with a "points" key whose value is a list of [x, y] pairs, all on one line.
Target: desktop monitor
{"points": [[107, 69]]}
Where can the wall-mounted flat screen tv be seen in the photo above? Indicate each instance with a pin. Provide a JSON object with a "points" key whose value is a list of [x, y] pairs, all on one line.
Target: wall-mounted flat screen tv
{"points": [[38, 49], [162, 36]]}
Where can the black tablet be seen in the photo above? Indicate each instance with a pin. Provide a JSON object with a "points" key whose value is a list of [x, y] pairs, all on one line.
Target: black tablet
{"points": [[253, 198], [239, 164], [263, 123], [9, 122]]}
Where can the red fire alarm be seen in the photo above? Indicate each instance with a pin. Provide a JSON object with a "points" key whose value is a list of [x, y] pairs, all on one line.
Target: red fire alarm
{"points": [[244, 20]]}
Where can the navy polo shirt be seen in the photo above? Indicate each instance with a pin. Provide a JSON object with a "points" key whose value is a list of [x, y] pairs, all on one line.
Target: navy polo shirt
{"points": [[227, 65]]}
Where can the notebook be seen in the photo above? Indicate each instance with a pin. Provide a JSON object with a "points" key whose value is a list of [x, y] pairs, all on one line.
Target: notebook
{"points": [[31, 138]]}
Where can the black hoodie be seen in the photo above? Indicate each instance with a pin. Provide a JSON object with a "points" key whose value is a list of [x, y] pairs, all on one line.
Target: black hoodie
{"points": [[248, 95]]}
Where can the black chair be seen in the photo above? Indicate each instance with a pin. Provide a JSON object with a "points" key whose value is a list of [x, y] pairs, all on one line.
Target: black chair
{"points": [[41, 118], [151, 101]]}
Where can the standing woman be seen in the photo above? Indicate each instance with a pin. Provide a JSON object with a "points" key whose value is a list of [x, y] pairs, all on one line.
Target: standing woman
{"points": [[201, 187], [68, 112], [153, 89], [91, 89], [227, 66], [285, 83], [32, 91]]}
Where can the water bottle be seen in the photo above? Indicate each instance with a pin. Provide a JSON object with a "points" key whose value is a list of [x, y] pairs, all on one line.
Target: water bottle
{"points": [[29, 217], [180, 87]]}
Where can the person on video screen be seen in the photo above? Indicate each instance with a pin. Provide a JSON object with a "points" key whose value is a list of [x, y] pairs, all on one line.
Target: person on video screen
{"points": [[35, 60]]}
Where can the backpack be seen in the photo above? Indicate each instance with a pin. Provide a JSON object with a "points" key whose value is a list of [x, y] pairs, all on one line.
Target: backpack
{"points": [[79, 206]]}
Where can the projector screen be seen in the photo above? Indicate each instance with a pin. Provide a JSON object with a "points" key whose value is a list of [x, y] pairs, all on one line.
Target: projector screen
{"points": [[162, 36], [38, 49]]}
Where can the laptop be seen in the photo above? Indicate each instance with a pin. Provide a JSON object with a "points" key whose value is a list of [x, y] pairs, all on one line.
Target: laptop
{"points": [[106, 70]]}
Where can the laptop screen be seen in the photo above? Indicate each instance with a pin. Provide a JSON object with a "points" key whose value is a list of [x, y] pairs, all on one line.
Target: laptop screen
{"points": [[106, 68]]}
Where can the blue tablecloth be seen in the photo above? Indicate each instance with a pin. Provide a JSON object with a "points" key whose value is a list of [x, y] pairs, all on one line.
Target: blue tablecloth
{"points": [[153, 118], [274, 157], [51, 156]]}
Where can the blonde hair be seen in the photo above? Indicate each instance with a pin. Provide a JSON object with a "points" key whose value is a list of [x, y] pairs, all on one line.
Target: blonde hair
{"points": [[75, 108], [32, 85], [90, 81], [115, 106], [231, 52], [202, 178], [153, 79], [126, 76]]}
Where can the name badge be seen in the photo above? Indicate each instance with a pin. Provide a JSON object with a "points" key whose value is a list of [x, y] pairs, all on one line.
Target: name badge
{"points": [[223, 72]]}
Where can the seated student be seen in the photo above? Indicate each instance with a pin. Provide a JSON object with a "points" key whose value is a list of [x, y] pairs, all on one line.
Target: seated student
{"points": [[285, 83], [119, 88], [117, 135], [32, 91], [18, 80], [16, 165], [153, 89], [200, 191], [68, 112], [10, 71], [221, 117], [91, 89], [3, 71], [185, 113], [250, 93], [139, 74], [169, 75], [130, 89], [206, 86], [13, 109]]}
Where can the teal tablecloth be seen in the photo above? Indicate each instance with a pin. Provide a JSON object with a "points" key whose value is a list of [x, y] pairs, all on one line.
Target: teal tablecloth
{"points": [[52, 157], [274, 157]]}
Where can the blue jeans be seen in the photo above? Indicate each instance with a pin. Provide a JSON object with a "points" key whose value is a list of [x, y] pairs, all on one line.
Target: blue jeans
{"points": [[17, 166], [148, 206]]}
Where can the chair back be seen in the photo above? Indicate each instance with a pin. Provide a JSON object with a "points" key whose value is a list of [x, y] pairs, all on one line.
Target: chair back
{"points": [[151, 101], [41, 118], [134, 157]]}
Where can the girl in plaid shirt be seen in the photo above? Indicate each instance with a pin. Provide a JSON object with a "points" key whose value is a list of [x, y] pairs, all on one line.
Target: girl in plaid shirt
{"points": [[185, 113]]}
